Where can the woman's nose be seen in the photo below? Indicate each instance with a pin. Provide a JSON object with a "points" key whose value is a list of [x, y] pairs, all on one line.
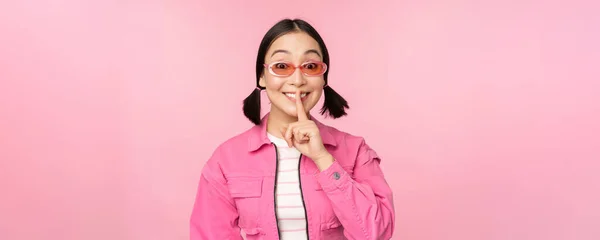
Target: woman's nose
{"points": [[297, 77]]}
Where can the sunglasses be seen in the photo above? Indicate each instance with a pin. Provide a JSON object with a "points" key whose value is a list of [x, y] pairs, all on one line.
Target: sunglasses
{"points": [[284, 69]]}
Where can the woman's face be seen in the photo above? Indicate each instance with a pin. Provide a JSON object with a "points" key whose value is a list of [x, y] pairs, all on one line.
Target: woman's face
{"points": [[295, 48]]}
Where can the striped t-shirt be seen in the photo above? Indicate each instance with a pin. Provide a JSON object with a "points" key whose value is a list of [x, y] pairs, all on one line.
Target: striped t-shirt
{"points": [[290, 207]]}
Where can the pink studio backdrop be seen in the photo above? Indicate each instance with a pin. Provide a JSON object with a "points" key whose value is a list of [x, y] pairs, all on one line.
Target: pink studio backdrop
{"points": [[486, 113]]}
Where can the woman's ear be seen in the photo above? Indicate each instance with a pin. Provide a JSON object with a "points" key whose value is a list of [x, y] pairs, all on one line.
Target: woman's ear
{"points": [[262, 82]]}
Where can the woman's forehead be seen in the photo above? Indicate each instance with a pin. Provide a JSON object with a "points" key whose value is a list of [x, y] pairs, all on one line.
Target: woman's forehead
{"points": [[295, 43]]}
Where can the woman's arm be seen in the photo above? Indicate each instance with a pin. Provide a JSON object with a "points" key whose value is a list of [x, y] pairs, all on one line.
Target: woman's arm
{"points": [[363, 202], [214, 215]]}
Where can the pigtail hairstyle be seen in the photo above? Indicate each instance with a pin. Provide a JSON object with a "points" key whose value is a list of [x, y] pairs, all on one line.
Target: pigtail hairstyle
{"points": [[252, 106], [334, 104]]}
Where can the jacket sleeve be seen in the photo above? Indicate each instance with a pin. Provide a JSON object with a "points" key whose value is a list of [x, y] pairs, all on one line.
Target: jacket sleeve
{"points": [[214, 215], [363, 202]]}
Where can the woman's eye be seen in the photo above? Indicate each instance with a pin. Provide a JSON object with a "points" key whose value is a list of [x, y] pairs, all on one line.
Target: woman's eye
{"points": [[310, 66], [281, 65]]}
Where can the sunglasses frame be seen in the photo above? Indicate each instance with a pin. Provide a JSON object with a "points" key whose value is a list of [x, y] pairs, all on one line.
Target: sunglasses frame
{"points": [[301, 67]]}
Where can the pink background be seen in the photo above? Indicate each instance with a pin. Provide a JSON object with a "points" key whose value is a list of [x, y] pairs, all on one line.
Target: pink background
{"points": [[486, 112]]}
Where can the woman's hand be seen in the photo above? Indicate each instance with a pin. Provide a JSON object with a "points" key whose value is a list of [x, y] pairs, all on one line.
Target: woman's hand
{"points": [[304, 135]]}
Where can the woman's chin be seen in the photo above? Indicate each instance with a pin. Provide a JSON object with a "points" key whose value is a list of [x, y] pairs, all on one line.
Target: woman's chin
{"points": [[292, 113], [289, 110]]}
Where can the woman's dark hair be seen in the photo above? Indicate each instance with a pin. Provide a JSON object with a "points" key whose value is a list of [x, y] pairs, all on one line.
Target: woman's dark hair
{"points": [[334, 104]]}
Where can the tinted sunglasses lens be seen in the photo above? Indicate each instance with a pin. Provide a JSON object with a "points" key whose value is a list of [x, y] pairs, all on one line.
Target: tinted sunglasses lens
{"points": [[282, 69], [313, 68]]}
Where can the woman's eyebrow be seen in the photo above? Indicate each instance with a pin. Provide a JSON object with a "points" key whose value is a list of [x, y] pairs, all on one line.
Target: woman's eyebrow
{"points": [[312, 51], [288, 52], [280, 51]]}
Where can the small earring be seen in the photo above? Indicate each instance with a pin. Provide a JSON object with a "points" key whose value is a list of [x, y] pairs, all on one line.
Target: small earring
{"points": [[259, 89]]}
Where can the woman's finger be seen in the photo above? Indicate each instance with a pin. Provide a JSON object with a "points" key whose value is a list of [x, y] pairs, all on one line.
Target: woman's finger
{"points": [[305, 138], [304, 133], [288, 136], [296, 135], [301, 138], [300, 107]]}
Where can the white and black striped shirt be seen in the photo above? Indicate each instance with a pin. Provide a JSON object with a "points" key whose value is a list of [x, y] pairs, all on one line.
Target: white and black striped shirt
{"points": [[290, 208]]}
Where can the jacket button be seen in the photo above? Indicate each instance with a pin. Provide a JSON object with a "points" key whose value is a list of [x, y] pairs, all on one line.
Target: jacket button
{"points": [[336, 175]]}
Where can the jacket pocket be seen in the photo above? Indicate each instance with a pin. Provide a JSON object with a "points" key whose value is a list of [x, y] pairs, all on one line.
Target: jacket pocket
{"points": [[245, 187], [331, 225], [252, 233], [332, 230], [246, 193]]}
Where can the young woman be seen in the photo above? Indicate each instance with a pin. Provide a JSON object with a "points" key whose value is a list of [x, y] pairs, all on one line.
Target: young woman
{"points": [[290, 176]]}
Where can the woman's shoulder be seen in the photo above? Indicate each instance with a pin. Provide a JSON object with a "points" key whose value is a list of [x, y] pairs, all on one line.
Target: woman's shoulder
{"points": [[230, 149], [340, 136], [351, 148], [240, 139]]}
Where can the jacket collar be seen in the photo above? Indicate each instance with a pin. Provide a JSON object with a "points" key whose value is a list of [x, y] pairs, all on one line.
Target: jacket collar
{"points": [[258, 134]]}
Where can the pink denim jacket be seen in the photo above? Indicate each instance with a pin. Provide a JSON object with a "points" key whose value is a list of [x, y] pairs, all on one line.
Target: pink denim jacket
{"points": [[349, 200]]}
